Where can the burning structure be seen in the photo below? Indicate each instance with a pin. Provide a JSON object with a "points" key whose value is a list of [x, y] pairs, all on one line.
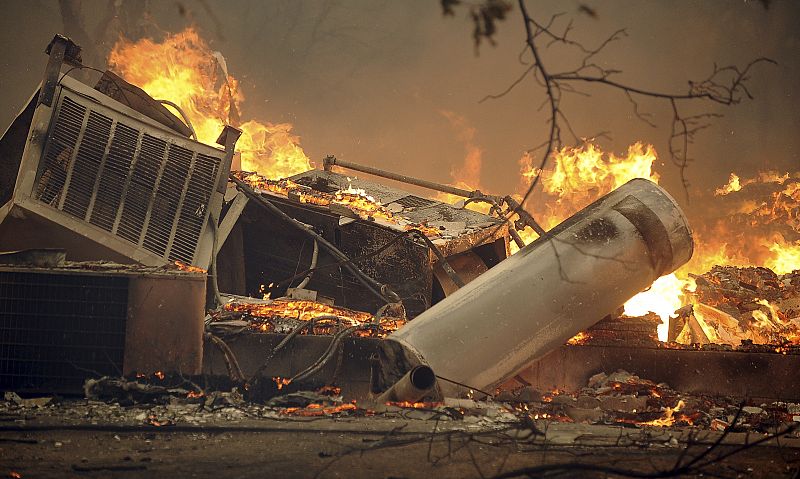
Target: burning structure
{"points": [[316, 277], [104, 180]]}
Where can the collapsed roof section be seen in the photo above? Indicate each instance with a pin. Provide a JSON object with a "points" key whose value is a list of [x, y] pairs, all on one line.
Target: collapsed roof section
{"points": [[365, 220]]}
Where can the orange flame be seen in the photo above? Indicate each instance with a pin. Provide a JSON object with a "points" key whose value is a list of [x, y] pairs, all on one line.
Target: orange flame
{"points": [[188, 268], [578, 176], [356, 200], [306, 310], [186, 71], [668, 419], [281, 382]]}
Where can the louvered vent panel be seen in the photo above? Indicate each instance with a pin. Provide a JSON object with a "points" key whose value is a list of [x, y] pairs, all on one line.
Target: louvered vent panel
{"points": [[167, 200], [141, 188], [124, 177], [87, 164], [53, 170], [190, 222], [115, 176]]}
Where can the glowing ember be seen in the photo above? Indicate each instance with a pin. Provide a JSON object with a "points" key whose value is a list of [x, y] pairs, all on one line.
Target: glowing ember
{"points": [[188, 268], [415, 405], [356, 200], [316, 410], [327, 319], [186, 71], [579, 338], [668, 419], [300, 309], [281, 382]]}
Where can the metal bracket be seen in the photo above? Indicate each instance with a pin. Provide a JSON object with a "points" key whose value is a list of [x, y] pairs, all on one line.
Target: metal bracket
{"points": [[227, 139], [230, 219], [61, 50]]}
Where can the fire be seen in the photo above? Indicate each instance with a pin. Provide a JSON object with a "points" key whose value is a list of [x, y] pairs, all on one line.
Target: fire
{"points": [[262, 315], [414, 405], [281, 382], [317, 410], [467, 175], [786, 257], [759, 221], [356, 200], [186, 71], [579, 338], [663, 297], [580, 175], [733, 185], [668, 419], [300, 309], [188, 268]]}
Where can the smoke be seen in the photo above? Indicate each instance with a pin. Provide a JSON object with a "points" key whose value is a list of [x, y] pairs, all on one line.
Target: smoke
{"points": [[367, 81], [467, 174]]}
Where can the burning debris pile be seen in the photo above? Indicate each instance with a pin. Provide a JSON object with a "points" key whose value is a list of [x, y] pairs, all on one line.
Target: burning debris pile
{"points": [[741, 305], [371, 291], [284, 316], [616, 399], [626, 399], [355, 200]]}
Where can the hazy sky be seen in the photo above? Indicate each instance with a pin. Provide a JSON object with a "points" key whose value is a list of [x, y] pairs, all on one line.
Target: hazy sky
{"points": [[370, 81]]}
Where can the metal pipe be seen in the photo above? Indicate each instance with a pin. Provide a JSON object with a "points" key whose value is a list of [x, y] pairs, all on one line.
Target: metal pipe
{"points": [[415, 385], [524, 215], [311, 268], [332, 160], [535, 300]]}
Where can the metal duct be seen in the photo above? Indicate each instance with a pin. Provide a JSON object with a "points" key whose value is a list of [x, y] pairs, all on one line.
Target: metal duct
{"points": [[534, 301]]}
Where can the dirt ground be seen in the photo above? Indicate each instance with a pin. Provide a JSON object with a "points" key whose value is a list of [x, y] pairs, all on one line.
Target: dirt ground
{"points": [[363, 448]]}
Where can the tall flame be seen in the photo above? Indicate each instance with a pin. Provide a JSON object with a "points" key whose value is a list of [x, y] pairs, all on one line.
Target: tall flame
{"points": [[186, 71], [578, 176]]}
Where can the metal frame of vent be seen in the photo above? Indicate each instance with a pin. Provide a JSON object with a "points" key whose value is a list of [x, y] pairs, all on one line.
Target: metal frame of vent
{"points": [[118, 177]]}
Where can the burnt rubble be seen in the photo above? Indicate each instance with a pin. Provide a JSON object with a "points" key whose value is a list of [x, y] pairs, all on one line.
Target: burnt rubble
{"points": [[619, 399], [743, 308], [166, 292]]}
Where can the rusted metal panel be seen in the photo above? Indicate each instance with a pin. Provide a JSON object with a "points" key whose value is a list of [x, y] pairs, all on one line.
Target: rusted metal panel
{"points": [[164, 329]]}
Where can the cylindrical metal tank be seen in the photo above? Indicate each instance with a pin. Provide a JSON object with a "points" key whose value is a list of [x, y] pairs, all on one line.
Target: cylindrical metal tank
{"points": [[534, 301]]}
